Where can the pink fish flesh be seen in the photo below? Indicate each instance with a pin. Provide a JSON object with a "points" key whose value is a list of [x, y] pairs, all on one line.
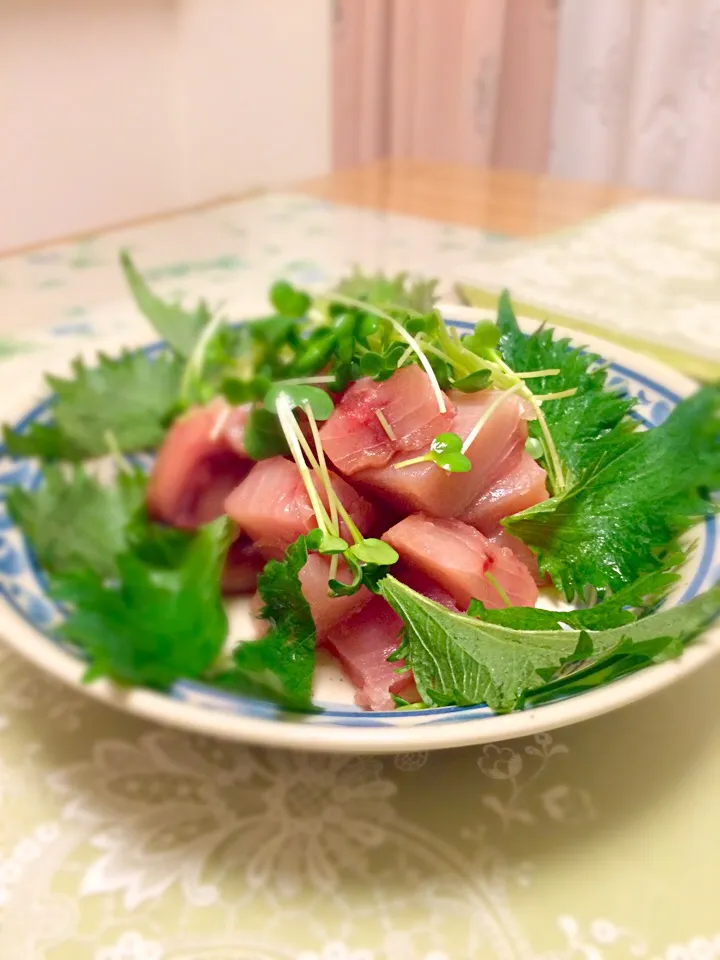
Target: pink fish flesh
{"points": [[521, 487], [428, 488], [272, 506], [459, 558], [242, 567], [362, 643], [328, 611], [194, 471], [354, 437]]}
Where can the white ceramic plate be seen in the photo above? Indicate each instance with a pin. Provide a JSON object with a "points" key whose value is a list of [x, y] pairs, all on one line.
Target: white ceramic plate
{"points": [[27, 615]]}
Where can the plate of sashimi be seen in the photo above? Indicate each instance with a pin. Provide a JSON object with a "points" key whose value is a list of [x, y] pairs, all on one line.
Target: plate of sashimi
{"points": [[361, 521]]}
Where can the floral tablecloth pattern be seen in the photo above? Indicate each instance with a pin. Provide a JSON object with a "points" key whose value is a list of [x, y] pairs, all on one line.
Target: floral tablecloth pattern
{"points": [[120, 840]]}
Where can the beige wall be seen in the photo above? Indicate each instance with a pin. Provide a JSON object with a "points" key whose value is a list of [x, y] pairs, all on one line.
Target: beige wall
{"points": [[115, 109]]}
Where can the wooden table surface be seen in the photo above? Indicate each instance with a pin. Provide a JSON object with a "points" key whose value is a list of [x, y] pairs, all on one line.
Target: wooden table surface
{"points": [[501, 201]]}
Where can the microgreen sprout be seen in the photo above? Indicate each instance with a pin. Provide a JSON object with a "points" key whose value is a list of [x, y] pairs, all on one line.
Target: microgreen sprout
{"points": [[362, 553], [488, 412], [534, 448], [446, 452], [384, 424], [407, 337]]}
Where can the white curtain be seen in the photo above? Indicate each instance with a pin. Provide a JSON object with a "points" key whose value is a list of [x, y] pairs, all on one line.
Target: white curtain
{"points": [[638, 94]]}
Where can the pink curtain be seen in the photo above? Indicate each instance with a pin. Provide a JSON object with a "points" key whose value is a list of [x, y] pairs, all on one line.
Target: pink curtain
{"points": [[461, 81]]}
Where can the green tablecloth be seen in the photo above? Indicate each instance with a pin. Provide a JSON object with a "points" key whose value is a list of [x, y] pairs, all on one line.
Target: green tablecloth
{"points": [[124, 841]]}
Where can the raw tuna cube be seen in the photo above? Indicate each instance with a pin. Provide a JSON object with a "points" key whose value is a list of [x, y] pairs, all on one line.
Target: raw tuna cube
{"points": [[428, 488], [522, 487], [234, 427], [354, 438], [328, 611], [242, 567], [458, 557], [502, 538], [362, 643], [272, 506], [194, 471]]}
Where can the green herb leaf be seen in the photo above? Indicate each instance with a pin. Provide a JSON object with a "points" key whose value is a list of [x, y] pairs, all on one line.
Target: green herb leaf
{"points": [[479, 380], [74, 523], [238, 391], [466, 661], [178, 327], [375, 551], [576, 422], [288, 301], [622, 518], [279, 666], [485, 336], [343, 588], [380, 289], [626, 659], [131, 397], [263, 436], [153, 625], [330, 545], [622, 607], [298, 395]]}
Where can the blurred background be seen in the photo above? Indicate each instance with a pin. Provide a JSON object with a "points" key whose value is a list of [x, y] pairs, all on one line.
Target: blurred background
{"points": [[112, 110]]}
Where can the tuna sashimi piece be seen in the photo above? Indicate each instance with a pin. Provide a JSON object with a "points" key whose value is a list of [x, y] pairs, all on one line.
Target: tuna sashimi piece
{"points": [[362, 643], [242, 567], [522, 487], [233, 426], [272, 506], [417, 580], [328, 611], [194, 471], [460, 558], [502, 538], [354, 437], [428, 488]]}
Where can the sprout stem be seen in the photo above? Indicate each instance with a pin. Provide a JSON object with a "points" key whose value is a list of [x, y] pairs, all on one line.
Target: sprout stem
{"points": [[324, 473], [402, 332], [411, 463], [560, 395], [384, 424], [290, 428], [470, 439]]}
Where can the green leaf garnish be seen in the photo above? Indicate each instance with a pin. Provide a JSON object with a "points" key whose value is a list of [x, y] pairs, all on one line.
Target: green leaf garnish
{"points": [[238, 391], [534, 448], [300, 396], [446, 451], [330, 545], [466, 661], [289, 301], [485, 336], [576, 422], [382, 290], [642, 490], [279, 666], [473, 382], [263, 436], [75, 523], [153, 624], [178, 327], [375, 551], [131, 397]]}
